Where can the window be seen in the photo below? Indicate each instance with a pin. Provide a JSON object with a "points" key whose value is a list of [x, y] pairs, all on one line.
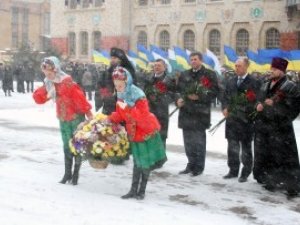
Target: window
{"points": [[98, 3], [97, 40], [73, 4], [272, 38], [142, 38], [15, 27], [84, 44], [189, 40], [214, 41], [242, 42], [189, 1], [85, 3], [25, 26], [165, 2], [72, 43], [143, 2], [164, 40]]}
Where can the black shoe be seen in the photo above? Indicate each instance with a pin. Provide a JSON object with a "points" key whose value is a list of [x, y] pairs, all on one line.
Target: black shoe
{"points": [[229, 176], [130, 194], [66, 178], [75, 179], [196, 173], [185, 171], [270, 187], [140, 196], [242, 179]]}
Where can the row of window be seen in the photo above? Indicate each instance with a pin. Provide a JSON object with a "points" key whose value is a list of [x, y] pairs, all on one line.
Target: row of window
{"points": [[272, 40], [165, 2], [74, 4], [18, 15], [83, 42]]}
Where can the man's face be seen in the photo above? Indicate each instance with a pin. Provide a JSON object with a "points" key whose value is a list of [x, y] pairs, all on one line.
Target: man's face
{"points": [[240, 68], [114, 61], [159, 67], [276, 73], [195, 62]]}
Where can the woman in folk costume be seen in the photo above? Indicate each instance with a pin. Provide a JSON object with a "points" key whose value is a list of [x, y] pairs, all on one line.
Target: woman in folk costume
{"points": [[142, 128], [71, 109]]}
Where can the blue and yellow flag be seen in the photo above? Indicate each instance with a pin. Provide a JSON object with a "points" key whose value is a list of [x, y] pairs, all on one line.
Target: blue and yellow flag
{"points": [[230, 56], [101, 57], [182, 58], [144, 53], [139, 62]]}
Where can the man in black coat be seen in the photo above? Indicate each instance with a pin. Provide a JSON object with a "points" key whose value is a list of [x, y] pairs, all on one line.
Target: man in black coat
{"points": [[158, 89], [238, 103], [276, 161], [105, 92], [194, 111]]}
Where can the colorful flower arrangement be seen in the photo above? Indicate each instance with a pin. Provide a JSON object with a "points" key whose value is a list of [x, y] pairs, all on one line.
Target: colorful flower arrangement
{"points": [[100, 139]]}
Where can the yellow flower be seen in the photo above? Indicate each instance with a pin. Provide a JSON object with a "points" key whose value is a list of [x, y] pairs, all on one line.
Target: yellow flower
{"points": [[87, 128], [100, 116], [116, 147], [105, 155], [110, 153]]}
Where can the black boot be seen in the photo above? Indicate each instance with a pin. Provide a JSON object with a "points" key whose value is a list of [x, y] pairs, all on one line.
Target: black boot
{"points": [[76, 170], [68, 170], [142, 189], [135, 183]]}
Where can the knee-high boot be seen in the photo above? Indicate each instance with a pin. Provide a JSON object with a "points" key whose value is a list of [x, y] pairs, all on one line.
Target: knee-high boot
{"points": [[135, 183], [142, 189], [68, 169], [76, 170]]}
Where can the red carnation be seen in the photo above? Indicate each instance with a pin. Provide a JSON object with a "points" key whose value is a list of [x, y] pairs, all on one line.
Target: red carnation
{"points": [[250, 95], [161, 87], [205, 82], [104, 92], [279, 95]]}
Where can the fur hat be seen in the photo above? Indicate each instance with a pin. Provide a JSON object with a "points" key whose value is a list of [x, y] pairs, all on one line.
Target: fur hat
{"points": [[279, 63]]}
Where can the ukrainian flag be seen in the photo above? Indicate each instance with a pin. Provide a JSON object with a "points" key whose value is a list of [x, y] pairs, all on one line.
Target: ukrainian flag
{"points": [[182, 58], [101, 57], [257, 63], [158, 53], [173, 62], [208, 62], [144, 53], [141, 63], [230, 56], [295, 59]]}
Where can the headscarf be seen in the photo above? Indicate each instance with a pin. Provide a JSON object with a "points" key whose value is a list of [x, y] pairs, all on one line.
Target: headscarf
{"points": [[132, 93], [60, 75]]}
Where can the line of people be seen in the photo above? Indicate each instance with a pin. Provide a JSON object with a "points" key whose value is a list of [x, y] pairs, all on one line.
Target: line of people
{"points": [[255, 110]]}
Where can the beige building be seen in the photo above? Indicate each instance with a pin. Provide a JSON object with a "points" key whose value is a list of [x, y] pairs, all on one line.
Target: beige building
{"points": [[78, 26], [23, 23]]}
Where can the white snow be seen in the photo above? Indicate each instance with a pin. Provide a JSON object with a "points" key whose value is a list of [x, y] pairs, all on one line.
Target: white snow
{"points": [[31, 164]]}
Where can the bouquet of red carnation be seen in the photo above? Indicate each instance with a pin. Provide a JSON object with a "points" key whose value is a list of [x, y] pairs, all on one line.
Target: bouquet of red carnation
{"points": [[156, 90], [201, 87], [237, 103]]}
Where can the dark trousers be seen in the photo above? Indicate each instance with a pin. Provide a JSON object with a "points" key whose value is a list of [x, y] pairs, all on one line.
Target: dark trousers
{"points": [[195, 148], [29, 86], [233, 152]]}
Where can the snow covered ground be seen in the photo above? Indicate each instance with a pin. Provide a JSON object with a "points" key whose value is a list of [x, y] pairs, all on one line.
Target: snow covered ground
{"points": [[31, 164]]}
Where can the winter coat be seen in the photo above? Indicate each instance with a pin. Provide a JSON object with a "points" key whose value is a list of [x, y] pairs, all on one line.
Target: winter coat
{"points": [[239, 124], [87, 79], [7, 82], [196, 114], [159, 103], [275, 125], [139, 121], [105, 95], [70, 100], [29, 74]]}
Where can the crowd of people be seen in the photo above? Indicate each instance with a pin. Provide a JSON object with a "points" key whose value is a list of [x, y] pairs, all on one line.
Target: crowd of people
{"points": [[257, 109]]}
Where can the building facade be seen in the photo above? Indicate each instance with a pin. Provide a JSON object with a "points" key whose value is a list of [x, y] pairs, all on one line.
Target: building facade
{"points": [[24, 23], [78, 26]]}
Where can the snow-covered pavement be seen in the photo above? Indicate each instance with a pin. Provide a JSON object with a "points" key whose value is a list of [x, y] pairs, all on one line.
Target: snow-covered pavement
{"points": [[31, 164]]}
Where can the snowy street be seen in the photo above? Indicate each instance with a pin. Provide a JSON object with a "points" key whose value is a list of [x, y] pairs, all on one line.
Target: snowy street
{"points": [[31, 164]]}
